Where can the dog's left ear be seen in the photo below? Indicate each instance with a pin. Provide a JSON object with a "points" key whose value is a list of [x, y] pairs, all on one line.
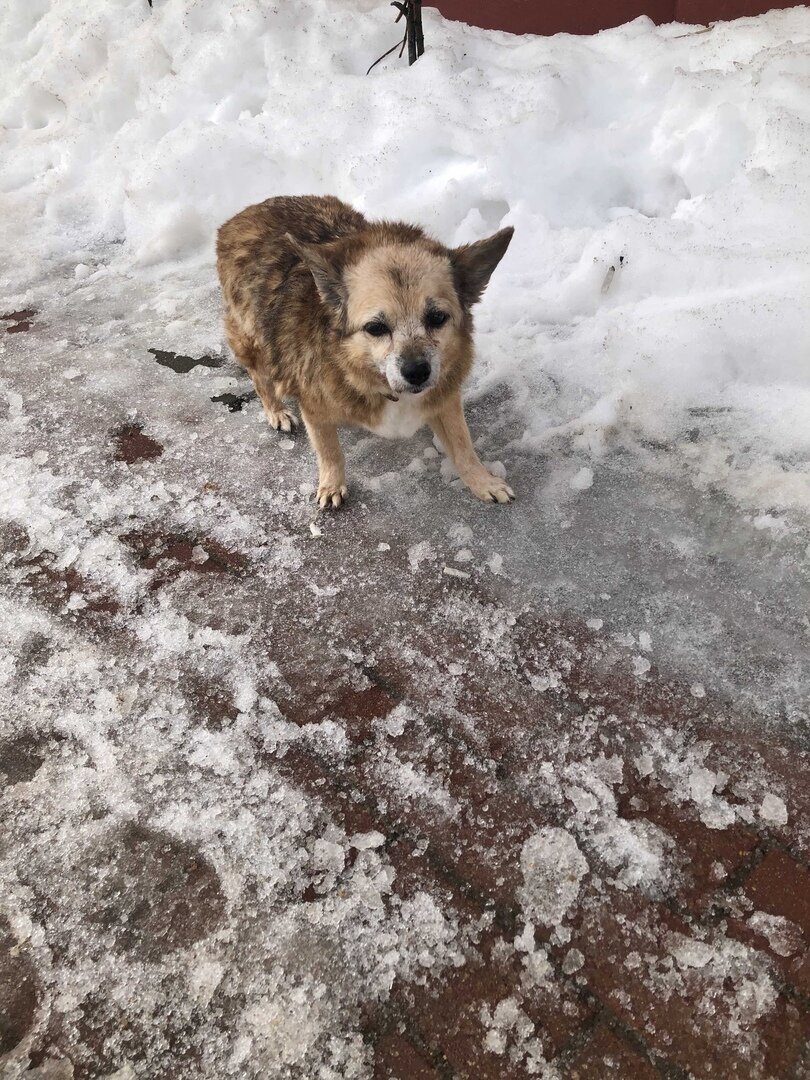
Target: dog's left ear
{"points": [[473, 264], [327, 277]]}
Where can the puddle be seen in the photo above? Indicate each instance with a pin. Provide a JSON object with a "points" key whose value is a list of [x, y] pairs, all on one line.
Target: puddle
{"points": [[20, 320], [134, 445], [201, 555], [236, 402], [183, 364]]}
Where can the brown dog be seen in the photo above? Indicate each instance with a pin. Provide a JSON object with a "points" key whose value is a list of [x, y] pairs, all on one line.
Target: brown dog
{"points": [[364, 324]]}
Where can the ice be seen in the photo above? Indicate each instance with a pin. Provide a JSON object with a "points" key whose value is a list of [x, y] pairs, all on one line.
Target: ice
{"points": [[511, 1034], [452, 571], [773, 810], [635, 853], [419, 553], [202, 693], [582, 480], [460, 533], [641, 665], [783, 936], [729, 975], [573, 961], [553, 868], [495, 563], [364, 841]]}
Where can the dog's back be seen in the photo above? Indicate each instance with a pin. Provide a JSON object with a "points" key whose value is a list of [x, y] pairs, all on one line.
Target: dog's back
{"points": [[253, 245]]}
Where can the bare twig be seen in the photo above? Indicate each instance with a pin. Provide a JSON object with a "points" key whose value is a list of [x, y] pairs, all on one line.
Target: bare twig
{"points": [[393, 47], [414, 39]]}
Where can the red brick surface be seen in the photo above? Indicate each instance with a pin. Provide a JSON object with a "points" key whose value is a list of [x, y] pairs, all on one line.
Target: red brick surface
{"points": [[477, 766]]}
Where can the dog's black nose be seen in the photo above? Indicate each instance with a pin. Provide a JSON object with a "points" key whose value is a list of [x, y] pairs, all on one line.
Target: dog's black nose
{"points": [[416, 372]]}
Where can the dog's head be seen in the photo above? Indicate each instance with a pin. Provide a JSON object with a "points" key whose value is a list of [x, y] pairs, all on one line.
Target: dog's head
{"points": [[402, 303]]}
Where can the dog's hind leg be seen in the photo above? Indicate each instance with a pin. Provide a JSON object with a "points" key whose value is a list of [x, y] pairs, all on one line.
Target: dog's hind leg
{"points": [[251, 358]]}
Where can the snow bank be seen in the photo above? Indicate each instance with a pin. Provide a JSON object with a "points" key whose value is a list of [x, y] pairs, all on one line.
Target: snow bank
{"points": [[656, 290]]}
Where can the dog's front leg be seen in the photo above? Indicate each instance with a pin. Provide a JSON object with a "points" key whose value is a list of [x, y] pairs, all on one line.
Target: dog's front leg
{"points": [[451, 429], [332, 488]]}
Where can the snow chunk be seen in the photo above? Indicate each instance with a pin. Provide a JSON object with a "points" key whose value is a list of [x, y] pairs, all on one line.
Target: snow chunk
{"points": [[573, 961], [459, 533], [641, 665], [366, 841], [419, 553], [581, 480], [495, 563], [773, 810], [784, 936], [328, 856], [553, 868]]}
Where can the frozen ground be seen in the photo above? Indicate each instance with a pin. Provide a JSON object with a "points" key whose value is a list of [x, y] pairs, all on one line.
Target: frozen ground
{"points": [[426, 788]]}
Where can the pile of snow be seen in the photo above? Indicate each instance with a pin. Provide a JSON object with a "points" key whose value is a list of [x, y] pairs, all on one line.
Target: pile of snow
{"points": [[655, 292]]}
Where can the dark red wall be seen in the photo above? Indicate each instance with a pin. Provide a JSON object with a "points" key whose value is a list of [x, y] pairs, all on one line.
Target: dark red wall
{"points": [[588, 16]]}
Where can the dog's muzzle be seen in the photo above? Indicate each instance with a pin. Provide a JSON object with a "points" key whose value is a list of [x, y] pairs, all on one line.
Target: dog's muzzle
{"points": [[415, 373], [412, 370]]}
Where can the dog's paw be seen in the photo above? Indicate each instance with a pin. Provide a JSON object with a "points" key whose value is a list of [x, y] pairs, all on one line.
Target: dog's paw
{"points": [[281, 420], [331, 496], [490, 488]]}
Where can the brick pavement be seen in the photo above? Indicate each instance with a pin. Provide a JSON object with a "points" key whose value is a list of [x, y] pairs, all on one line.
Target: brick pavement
{"points": [[472, 720]]}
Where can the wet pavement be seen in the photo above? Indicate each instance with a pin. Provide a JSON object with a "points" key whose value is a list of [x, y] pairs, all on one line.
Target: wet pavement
{"points": [[426, 788]]}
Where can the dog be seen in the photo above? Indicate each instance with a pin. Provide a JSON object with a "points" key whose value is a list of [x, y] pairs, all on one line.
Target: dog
{"points": [[366, 324]]}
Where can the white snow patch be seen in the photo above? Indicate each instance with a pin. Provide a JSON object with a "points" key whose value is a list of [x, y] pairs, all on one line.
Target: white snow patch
{"points": [[553, 868], [772, 810], [582, 480]]}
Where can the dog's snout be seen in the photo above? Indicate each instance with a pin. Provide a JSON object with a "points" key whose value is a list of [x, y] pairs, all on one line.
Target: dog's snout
{"points": [[416, 371]]}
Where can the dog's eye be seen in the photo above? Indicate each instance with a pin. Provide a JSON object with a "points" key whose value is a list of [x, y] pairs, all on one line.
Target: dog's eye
{"points": [[376, 329], [436, 319]]}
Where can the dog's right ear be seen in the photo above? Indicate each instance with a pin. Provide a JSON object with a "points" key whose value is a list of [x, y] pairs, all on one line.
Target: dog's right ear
{"points": [[327, 277]]}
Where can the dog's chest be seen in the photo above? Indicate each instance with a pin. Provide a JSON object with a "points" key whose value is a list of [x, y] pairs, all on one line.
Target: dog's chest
{"points": [[400, 419]]}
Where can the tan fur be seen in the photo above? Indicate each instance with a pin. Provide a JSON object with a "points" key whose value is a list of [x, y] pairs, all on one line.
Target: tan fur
{"points": [[305, 278]]}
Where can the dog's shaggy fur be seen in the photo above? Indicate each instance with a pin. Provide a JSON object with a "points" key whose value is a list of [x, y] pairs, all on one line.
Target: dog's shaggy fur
{"points": [[364, 324]]}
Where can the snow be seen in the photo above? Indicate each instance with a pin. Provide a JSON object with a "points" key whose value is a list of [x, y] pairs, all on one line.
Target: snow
{"points": [[582, 480], [666, 303], [553, 867], [773, 810], [641, 372], [783, 936]]}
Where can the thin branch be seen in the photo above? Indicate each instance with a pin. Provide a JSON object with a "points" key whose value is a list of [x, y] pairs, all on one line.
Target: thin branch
{"points": [[414, 39], [393, 47]]}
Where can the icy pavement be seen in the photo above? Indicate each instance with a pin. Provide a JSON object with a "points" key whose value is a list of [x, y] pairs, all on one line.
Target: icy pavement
{"points": [[426, 788]]}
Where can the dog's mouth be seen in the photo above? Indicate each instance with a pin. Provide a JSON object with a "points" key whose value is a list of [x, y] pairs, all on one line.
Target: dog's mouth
{"points": [[408, 391]]}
